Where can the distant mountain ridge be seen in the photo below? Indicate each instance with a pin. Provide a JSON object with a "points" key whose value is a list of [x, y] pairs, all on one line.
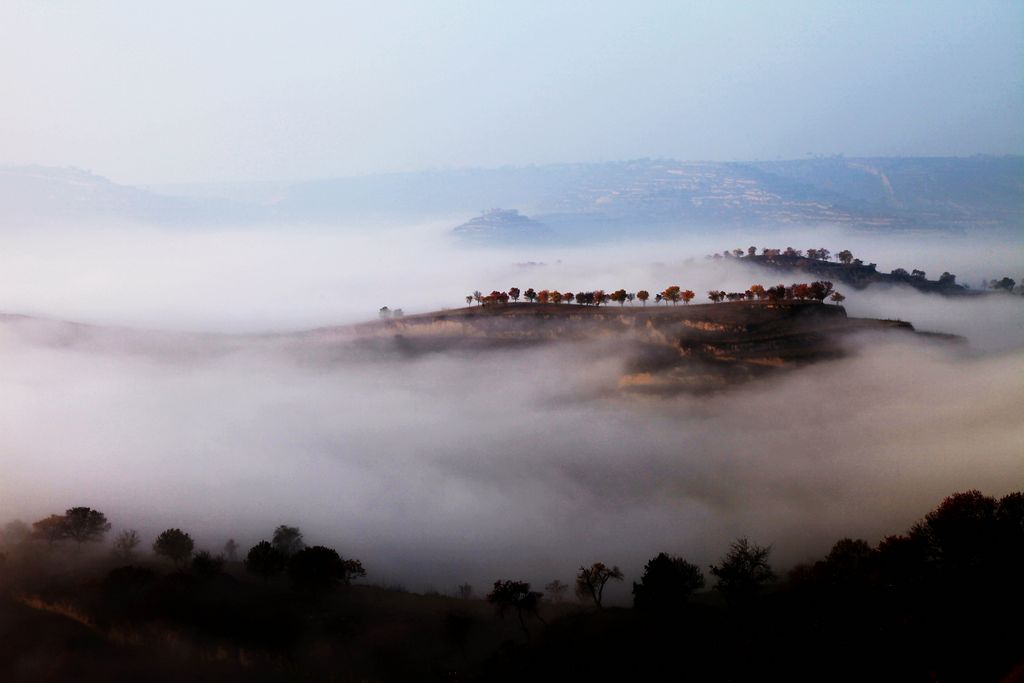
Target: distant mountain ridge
{"points": [[652, 195], [32, 195]]}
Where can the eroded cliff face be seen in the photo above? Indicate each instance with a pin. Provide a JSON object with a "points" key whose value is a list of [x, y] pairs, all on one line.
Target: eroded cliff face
{"points": [[666, 348]]}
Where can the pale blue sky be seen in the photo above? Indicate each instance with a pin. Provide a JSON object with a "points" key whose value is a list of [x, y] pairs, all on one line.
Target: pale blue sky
{"points": [[148, 92]]}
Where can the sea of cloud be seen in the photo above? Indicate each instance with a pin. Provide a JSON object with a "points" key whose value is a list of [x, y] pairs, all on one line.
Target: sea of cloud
{"points": [[453, 467]]}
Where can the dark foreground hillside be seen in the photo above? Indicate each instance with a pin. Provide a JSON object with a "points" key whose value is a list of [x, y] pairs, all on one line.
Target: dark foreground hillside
{"points": [[943, 602]]}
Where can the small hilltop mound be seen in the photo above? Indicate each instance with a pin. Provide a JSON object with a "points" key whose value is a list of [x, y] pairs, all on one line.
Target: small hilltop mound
{"points": [[501, 226]]}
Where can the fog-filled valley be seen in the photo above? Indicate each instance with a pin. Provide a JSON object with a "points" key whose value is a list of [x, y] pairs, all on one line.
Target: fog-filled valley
{"points": [[485, 342], [189, 405]]}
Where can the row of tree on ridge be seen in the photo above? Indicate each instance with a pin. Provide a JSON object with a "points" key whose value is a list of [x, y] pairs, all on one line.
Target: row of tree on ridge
{"points": [[812, 291], [845, 257], [309, 567]]}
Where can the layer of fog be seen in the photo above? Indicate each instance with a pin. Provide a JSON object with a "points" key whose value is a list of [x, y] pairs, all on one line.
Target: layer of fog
{"points": [[258, 280], [446, 469], [451, 468]]}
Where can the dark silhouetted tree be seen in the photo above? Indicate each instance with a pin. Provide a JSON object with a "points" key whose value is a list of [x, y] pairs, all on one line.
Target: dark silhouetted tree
{"points": [[175, 545], [962, 537], [513, 293], [464, 591], [667, 584], [820, 290], [288, 540], [207, 565], [231, 550], [530, 295], [516, 595], [125, 544], [837, 297], [590, 581], [845, 256], [619, 296], [751, 251], [743, 572], [1006, 284], [85, 525], [317, 569], [353, 569], [848, 568], [265, 561]]}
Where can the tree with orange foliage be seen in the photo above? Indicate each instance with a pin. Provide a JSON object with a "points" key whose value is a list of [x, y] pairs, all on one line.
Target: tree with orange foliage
{"points": [[673, 294], [543, 296], [555, 297], [758, 291], [619, 296], [687, 295], [643, 295]]}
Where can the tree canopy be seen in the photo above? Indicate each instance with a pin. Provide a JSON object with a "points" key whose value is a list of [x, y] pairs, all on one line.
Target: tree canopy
{"points": [[175, 545], [84, 525], [667, 583]]}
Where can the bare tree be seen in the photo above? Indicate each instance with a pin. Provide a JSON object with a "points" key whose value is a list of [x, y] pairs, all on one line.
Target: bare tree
{"points": [[125, 544], [743, 572], [590, 581]]}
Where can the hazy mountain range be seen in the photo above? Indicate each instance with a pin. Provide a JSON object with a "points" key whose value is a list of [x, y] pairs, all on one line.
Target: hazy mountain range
{"points": [[646, 195]]}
